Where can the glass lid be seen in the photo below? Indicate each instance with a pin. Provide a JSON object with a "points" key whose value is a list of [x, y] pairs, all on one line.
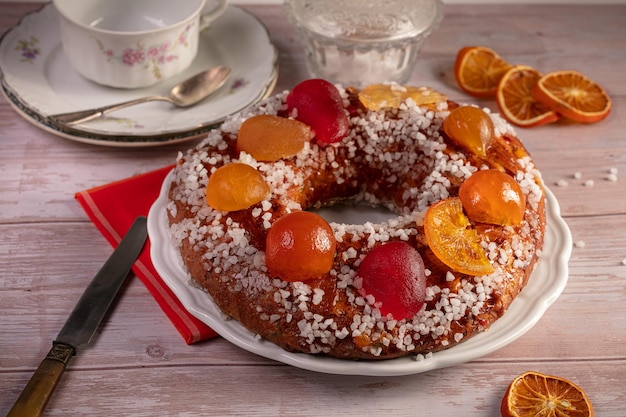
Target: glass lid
{"points": [[366, 20]]}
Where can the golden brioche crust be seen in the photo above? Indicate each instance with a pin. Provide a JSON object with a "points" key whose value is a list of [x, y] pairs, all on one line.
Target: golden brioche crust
{"points": [[396, 158]]}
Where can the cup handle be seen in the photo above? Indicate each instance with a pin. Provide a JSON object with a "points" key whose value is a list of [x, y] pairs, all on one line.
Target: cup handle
{"points": [[208, 17]]}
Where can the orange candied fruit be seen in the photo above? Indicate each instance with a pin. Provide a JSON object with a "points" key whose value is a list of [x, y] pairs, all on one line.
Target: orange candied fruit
{"points": [[269, 138], [471, 128], [492, 196], [453, 240], [235, 186], [300, 246]]}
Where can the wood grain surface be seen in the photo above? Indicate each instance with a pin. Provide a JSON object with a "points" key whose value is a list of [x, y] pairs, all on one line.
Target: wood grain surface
{"points": [[138, 365]]}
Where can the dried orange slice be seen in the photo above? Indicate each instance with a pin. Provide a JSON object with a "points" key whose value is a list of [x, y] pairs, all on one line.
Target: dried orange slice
{"points": [[536, 394], [515, 99], [377, 96], [574, 96], [450, 236], [478, 70]]}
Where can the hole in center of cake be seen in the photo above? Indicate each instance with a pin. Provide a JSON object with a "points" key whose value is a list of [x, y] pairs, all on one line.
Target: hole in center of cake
{"points": [[355, 213]]}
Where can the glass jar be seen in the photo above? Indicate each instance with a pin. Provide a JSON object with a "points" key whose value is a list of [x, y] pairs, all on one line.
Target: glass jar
{"points": [[361, 42]]}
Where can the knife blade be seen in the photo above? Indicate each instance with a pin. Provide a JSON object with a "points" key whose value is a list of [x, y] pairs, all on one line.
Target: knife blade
{"points": [[82, 323]]}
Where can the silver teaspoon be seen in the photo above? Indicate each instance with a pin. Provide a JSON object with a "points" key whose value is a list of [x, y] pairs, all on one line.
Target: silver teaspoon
{"points": [[185, 94]]}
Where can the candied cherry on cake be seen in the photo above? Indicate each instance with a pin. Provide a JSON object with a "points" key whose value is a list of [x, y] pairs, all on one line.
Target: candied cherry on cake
{"points": [[471, 128], [269, 138], [492, 196], [319, 105], [300, 246], [394, 274], [235, 186]]}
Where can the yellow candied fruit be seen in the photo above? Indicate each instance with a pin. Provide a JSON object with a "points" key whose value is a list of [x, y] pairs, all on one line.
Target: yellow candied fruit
{"points": [[270, 138], [235, 186], [377, 96]]}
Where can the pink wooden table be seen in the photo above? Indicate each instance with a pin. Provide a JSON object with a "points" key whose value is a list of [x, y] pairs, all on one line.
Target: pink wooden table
{"points": [[140, 366]]}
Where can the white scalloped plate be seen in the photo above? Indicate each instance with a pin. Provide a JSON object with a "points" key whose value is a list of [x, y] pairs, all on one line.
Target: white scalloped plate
{"points": [[544, 287], [38, 81]]}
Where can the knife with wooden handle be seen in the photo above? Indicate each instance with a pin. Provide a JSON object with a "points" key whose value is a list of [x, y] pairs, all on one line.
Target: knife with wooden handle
{"points": [[82, 322]]}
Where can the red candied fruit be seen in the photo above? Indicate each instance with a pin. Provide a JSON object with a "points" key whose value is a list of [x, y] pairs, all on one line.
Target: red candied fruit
{"points": [[269, 138], [300, 246], [394, 274], [235, 186], [319, 105]]}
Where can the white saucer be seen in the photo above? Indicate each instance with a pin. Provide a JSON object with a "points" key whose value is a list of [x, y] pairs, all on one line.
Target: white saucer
{"points": [[38, 81], [544, 287]]}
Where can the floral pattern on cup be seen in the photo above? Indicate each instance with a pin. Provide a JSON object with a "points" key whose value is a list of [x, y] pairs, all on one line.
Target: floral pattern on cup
{"points": [[149, 56], [28, 49]]}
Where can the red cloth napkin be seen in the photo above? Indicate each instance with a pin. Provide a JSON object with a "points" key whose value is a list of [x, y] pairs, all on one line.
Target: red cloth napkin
{"points": [[113, 208]]}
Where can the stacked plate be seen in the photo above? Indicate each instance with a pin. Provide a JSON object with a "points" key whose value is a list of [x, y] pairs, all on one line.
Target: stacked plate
{"points": [[38, 81]]}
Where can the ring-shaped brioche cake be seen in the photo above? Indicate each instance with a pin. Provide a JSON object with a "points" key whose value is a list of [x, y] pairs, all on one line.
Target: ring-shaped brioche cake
{"points": [[392, 155]]}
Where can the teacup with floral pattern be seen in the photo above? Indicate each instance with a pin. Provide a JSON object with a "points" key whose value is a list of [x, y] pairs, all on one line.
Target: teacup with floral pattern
{"points": [[133, 43]]}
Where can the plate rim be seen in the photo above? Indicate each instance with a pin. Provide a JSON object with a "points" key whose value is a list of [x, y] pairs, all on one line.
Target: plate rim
{"points": [[474, 348], [40, 120]]}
